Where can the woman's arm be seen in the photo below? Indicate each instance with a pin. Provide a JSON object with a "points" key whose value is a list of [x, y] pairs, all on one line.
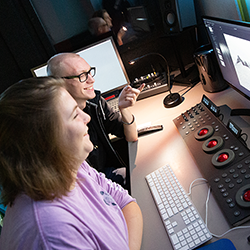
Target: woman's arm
{"points": [[133, 217]]}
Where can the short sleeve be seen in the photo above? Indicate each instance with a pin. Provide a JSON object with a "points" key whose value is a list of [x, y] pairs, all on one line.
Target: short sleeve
{"points": [[119, 194]]}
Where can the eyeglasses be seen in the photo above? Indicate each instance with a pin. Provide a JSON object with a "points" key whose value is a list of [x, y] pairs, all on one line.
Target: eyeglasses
{"points": [[83, 76]]}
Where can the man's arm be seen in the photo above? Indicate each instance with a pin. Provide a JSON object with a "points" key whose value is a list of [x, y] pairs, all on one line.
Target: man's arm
{"points": [[133, 217], [127, 99]]}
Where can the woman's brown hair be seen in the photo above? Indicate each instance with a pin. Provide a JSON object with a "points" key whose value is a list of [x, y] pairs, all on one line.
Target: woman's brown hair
{"points": [[33, 159]]}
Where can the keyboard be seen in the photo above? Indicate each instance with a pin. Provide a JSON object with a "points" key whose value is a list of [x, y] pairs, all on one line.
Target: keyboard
{"points": [[183, 223], [114, 104]]}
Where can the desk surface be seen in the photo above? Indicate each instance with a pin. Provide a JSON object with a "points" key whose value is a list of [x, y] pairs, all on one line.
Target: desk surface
{"points": [[167, 146]]}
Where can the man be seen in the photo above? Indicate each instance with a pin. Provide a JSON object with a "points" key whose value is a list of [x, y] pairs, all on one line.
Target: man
{"points": [[104, 15], [97, 26], [80, 84]]}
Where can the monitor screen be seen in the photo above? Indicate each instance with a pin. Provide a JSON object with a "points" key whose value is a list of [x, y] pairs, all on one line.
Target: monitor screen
{"points": [[110, 72], [231, 43]]}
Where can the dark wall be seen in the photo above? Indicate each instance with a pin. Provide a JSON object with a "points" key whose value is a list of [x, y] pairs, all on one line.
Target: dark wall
{"points": [[24, 43], [185, 44], [216, 8]]}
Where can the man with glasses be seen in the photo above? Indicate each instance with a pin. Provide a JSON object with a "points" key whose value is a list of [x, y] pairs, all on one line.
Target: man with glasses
{"points": [[80, 84]]}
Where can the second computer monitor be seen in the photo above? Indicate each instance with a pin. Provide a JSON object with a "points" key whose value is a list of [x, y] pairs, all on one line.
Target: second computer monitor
{"points": [[231, 43]]}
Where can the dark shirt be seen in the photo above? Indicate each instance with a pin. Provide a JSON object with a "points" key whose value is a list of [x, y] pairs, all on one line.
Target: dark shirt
{"points": [[103, 122]]}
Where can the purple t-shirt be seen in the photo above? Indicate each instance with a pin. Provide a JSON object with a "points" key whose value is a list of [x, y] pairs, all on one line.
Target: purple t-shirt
{"points": [[90, 217]]}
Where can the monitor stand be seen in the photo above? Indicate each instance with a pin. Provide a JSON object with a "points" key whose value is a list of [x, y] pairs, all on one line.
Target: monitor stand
{"points": [[187, 77]]}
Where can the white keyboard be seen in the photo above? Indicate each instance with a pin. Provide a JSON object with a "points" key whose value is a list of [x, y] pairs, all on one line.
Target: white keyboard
{"points": [[184, 225], [114, 104]]}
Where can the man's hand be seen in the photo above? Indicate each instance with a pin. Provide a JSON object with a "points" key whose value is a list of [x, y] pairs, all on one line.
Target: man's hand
{"points": [[120, 35], [128, 96]]}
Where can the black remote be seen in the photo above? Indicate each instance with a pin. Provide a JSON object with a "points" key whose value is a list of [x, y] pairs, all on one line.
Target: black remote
{"points": [[149, 129]]}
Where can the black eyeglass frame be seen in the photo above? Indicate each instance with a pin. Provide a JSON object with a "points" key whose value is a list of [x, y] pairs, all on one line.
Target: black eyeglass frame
{"points": [[84, 73]]}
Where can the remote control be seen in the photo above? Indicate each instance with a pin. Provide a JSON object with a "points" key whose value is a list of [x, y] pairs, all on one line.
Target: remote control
{"points": [[149, 129]]}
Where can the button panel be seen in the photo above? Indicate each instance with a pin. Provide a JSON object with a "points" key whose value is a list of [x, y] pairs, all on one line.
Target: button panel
{"points": [[221, 157]]}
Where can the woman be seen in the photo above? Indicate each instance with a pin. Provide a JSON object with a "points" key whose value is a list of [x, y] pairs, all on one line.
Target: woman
{"points": [[55, 199]]}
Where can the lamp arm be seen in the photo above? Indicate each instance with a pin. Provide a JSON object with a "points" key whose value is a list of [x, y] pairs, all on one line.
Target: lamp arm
{"points": [[171, 100]]}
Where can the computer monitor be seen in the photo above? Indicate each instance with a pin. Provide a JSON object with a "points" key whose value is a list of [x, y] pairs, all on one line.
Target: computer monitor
{"points": [[231, 42], [110, 72]]}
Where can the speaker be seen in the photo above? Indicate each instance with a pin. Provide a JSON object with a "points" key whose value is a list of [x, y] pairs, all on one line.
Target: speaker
{"points": [[177, 14], [209, 71]]}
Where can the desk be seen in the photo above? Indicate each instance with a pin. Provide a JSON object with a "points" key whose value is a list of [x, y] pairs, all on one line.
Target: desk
{"points": [[167, 146]]}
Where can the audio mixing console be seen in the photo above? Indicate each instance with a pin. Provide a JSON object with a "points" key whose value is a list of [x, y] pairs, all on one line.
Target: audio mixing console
{"points": [[221, 155], [155, 83]]}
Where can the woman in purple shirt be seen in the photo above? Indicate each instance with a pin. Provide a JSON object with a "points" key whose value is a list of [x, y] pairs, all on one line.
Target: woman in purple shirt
{"points": [[55, 199]]}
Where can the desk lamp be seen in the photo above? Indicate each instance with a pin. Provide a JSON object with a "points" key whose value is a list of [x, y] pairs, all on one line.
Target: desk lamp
{"points": [[173, 99]]}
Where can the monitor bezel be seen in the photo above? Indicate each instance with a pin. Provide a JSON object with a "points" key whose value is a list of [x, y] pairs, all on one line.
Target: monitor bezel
{"points": [[233, 22], [37, 67]]}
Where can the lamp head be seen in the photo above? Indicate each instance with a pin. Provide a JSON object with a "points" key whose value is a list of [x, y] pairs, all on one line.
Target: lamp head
{"points": [[131, 62]]}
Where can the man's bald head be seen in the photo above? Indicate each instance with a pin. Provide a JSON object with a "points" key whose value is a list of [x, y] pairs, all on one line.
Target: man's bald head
{"points": [[72, 65], [58, 64]]}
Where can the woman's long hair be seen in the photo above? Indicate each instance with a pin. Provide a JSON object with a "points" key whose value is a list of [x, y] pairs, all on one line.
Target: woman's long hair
{"points": [[33, 159]]}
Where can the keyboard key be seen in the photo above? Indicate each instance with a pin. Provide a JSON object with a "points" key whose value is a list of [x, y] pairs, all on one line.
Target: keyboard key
{"points": [[175, 239], [156, 195]]}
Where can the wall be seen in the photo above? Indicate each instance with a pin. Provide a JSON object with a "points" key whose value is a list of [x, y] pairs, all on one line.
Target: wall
{"points": [[218, 8], [63, 19], [227, 9], [23, 42]]}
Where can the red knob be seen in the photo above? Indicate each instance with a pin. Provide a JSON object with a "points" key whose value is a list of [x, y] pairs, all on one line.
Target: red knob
{"points": [[222, 157], [212, 144], [246, 196], [203, 132]]}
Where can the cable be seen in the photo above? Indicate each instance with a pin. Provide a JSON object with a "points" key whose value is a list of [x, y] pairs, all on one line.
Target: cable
{"points": [[206, 217], [207, 200], [240, 227], [206, 212], [189, 88], [221, 117], [208, 194], [184, 89], [245, 135], [190, 186]]}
